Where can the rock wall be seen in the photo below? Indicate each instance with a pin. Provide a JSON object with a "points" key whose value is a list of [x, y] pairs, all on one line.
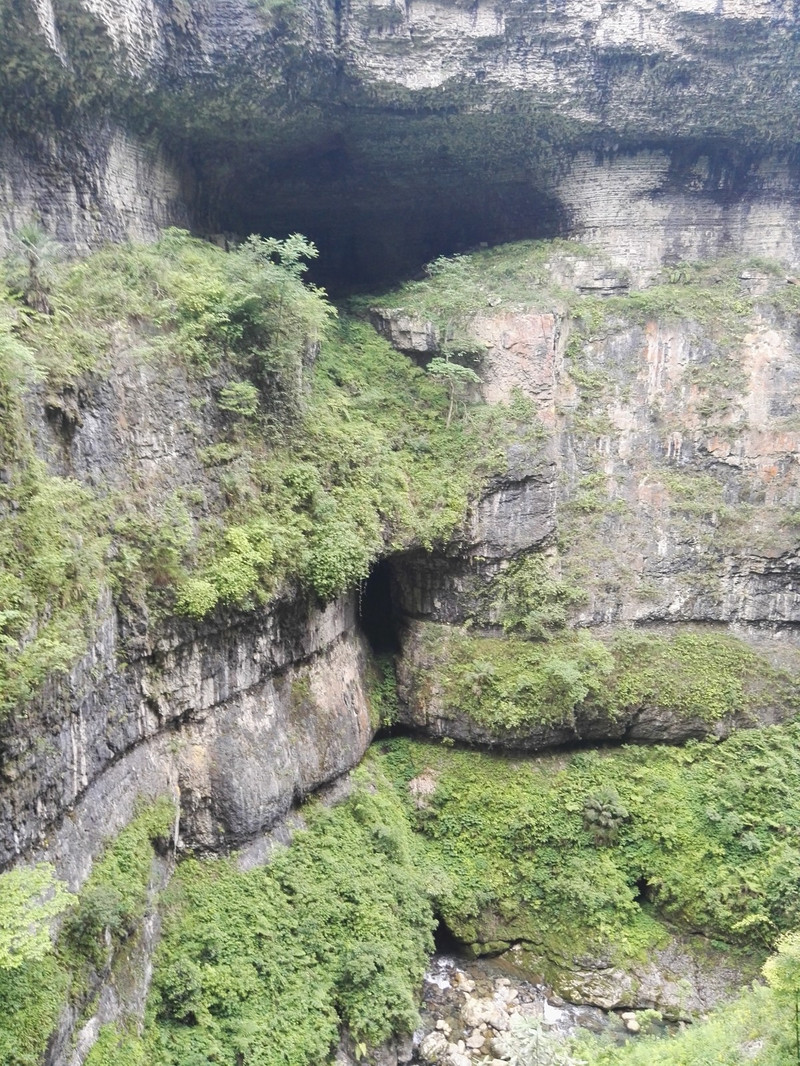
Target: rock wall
{"points": [[237, 721], [659, 491], [100, 184], [666, 470], [237, 717], [390, 134]]}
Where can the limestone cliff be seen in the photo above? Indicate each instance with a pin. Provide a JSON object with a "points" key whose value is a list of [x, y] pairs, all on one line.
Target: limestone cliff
{"points": [[635, 491], [659, 493], [393, 133]]}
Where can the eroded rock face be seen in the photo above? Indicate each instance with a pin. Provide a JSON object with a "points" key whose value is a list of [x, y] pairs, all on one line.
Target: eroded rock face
{"points": [[390, 134], [659, 495], [668, 472], [236, 720], [237, 717], [110, 186]]}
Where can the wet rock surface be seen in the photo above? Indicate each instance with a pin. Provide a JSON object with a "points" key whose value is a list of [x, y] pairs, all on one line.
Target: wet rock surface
{"points": [[471, 1008]]}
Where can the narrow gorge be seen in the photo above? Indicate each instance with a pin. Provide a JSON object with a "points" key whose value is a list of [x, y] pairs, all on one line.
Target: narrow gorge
{"points": [[400, 556]]}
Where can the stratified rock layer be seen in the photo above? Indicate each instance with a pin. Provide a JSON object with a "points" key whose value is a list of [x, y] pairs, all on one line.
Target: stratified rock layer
{"points": [[392, 133]]}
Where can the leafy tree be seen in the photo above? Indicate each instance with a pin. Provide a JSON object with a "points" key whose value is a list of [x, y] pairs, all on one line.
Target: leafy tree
{"points": [[454, 376], [30, 898]]}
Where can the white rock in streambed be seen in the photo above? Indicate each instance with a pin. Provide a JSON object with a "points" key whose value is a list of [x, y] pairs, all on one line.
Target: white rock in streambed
{"points": [[457, 1057], [434, 1047], [476, 1011]]}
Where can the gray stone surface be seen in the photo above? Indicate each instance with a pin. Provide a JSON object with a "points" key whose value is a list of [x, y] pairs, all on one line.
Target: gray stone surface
{"points": [[668, 126]]}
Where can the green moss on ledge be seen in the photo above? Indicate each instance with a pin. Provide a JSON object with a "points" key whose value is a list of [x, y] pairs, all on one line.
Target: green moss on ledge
{"points": [[510, 684]]}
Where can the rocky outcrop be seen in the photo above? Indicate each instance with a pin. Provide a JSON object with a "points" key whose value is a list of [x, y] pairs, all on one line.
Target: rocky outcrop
{"points": [[105, 184], [237, 720], [658, 489], [393, 133], [238, 717], [665, 473]]}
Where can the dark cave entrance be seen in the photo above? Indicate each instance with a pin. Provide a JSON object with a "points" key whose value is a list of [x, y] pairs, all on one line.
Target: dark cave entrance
{"points": [[382, 197], [374, 243], [377, 612], [445, 942], [644, 892]]}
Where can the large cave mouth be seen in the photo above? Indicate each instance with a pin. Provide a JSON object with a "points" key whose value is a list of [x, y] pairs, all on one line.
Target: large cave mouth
{"points": [[377, 611], [380, 203], [366, 245]]}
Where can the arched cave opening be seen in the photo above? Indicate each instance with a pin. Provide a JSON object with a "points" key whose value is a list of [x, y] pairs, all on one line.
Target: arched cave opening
{"points": [[377, 611], [379, 212], [445, 942]]}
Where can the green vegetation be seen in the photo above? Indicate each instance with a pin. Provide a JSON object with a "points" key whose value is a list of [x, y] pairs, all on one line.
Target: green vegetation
{"points": [[30, 898], [326, 446], [116, 1047], [52, 559], [31, 1000], [540, 275], [105, 917], [553, 851], [382, 690], [513, 683], [455, 377], [531, 598], [265, 966], [711, 829], [112, 902], [515, 277]]}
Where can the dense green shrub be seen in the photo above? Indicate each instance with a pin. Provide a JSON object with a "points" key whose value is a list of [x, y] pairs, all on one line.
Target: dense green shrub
{"points": [[710, 828], [511, 683], [265, 966]]}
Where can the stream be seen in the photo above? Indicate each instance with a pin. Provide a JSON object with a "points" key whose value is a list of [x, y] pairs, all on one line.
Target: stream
{"points": [[468, 1004]]}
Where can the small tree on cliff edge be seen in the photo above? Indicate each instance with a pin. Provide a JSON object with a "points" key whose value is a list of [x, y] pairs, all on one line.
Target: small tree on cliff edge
{"points": [[31, 265], [454, 376]]}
